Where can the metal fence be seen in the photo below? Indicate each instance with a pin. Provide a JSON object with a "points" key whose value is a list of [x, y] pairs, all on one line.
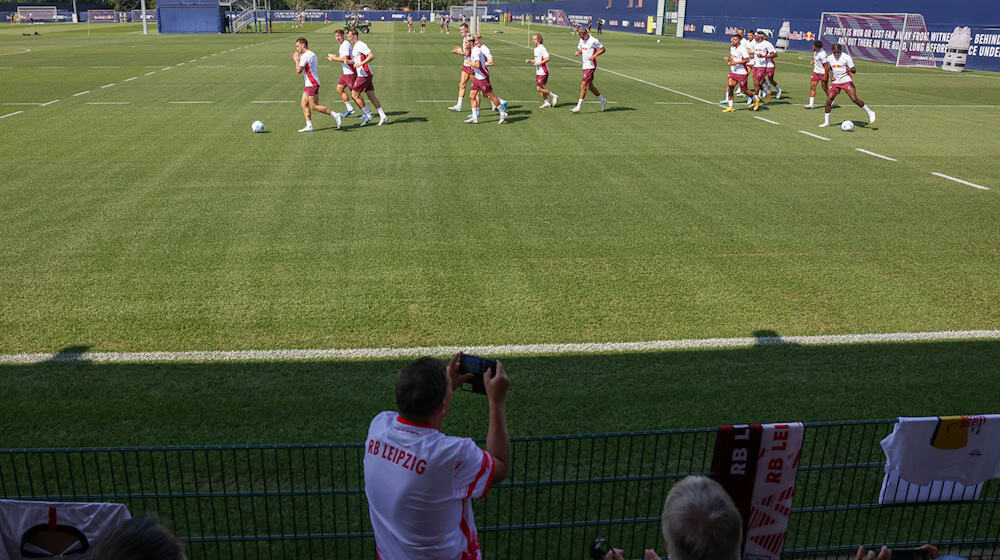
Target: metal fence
{"points": [[308, 501]]}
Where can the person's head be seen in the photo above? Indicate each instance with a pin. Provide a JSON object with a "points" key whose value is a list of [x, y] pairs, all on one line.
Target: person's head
{"points": [[700, 521], [477, 39], [741, 32], [817, 45], [140, 538], [339, 35], [762, 36], [582, 31], [464, 27], [352, 35], [537, 38], [423, 392], [301, 45], [836, 49], [735, 40]]}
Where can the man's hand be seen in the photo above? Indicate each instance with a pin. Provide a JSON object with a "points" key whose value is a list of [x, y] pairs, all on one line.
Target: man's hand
{"points": [[615, 554], [295, 56], [884, 554], [496, 384], [650, 554], [453, 375], [577, 53], [332, 58]]}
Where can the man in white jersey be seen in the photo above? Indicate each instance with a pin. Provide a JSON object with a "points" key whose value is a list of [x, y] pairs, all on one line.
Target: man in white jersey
{"points": [[482, 60], [737, 60], [541, 62], [306, 63], [589, 48], [363, 56], [768, 53], [820, 74], [420, 483], [409, 23], [465, 51], [346, 69], [841, 67]]}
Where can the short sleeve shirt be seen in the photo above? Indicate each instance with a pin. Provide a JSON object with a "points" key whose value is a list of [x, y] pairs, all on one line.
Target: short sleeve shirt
{"points": [[840, 68], [309, 63], [589, 47], [738, 53], [819, 60], [420, 484], [541, 53], [466, 47], [765, 47], [359, 51], [345, 50], [482, 54]]}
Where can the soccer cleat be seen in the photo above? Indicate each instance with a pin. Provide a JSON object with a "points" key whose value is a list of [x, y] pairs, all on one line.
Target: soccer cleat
{"points": [[469, 116], [728, 110], [555, 98], [739, 94], [574, 110], [768, 97], [779, 94], [306, 129], [871, 117], [503, 117], [472, 120], [756, 104], [383, 121], [604, 104], [503, 106], [750, 99], [545, 105], [493, 108], [365, 119], [808, 106], [824, 125], [336, 117], [348, 113], [723, 102], [455, 108]]}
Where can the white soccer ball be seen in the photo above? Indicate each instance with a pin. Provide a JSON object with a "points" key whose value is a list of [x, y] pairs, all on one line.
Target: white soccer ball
{"points": [[847, 126], [657, 40], [257, 126]]}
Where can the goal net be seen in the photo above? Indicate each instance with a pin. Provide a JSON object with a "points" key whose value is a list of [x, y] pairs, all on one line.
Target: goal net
{"points": [[900, 39], [37, 13], [463, 14], [557, 18]]}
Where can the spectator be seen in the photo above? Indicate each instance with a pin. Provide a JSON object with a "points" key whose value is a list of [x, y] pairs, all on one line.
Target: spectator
{"points": [[929, 552], [141, 538], [420, 483], [700, 522]]}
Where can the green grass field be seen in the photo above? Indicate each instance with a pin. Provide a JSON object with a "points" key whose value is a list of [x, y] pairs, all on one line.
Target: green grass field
{"points": [[137, 220]]}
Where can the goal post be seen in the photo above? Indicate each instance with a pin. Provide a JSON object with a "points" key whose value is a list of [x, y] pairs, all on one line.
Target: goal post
{"points": [[557, 18], [37, 13], [901, 39]]}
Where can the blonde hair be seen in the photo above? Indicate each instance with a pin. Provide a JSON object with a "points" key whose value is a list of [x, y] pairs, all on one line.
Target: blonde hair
{"points": [[540, 41]]}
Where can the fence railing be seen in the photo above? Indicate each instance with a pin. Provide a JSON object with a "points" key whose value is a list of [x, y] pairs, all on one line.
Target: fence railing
{"points": [[308, 501]]}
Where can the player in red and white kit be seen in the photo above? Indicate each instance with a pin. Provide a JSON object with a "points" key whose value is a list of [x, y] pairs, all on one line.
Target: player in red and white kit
{"points": [[346, 61], [737, 60], [306, 63], [363, 80], [766, 51], [820, 74], [589, 48], [482, 60], [541, 62], [465, 51], [841, 67], [419, 482]]}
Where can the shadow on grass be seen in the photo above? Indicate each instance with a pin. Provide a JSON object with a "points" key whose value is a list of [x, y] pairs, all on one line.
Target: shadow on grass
{"points": [[66, 402]]}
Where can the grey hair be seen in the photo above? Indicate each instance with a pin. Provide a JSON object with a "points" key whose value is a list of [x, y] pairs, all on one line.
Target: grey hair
{"points": [[700, 521]]}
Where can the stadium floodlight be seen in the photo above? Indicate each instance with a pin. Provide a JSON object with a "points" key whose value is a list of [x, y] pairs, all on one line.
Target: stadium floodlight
{"points": [[900, 39]]}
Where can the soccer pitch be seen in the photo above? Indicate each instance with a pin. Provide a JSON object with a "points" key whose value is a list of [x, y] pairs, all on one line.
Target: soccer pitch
{"points": [[141, 214]]}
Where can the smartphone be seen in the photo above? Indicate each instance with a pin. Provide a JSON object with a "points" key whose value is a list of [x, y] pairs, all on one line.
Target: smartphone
{"points": [[478, 367], [910, 554]]}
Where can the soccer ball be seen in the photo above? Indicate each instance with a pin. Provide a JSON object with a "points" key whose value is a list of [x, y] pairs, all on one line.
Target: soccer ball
{"points": [[657, 40], [847, 126], [258, 126]]}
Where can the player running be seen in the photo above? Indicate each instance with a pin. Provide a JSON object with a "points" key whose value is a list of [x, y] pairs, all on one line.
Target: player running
{"points": [[363, 56], [465, 51], [841, 66], [764, 45], [541, 62], [590, 48], [737, 60], [346, 70], [306, 64], [820, 75], [482, 59]]}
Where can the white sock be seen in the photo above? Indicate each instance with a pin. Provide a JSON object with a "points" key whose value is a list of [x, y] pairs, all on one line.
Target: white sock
{"points": [[475, 112], [730, 102], [381, 113], [551, 96], [601, 98], [459, 104], [367, 112], [579, 103], [826, 118], [348, 105], [812, 101], [309, 123], [867, 110]]}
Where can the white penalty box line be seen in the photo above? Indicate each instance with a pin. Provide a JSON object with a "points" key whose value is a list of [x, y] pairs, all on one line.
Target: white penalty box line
{"points": [[498, 350]]}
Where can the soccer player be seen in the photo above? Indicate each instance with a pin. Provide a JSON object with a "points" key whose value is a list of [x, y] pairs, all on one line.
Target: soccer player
{"points": [[306, 64], [765, 47], [447, 24], [590, 48], [423, 23], [465, 51], [409, 23], [482, 59], [541, 62], [841, 66], [441, 23], [737, 60], [363, 56], [820, 75], [346, 70]]}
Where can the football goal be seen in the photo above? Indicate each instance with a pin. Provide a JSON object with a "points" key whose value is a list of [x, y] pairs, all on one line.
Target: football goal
{"points": [[900, 39], [37, 13], [557, 18], [463, 14]]}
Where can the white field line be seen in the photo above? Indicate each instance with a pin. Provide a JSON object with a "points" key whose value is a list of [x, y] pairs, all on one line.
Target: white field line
{"points": [[944, 106], [19, 103], [50, 67], [106, 67], [26, 50], [107, 103], [79, 93], [130, 79], [264, 66], [280, 101], [6, 67], [107, 85], [189, 102], [11, 114], [508, 101], [957, 180], [672, 103], [815, 135], [765, 120], [193, 59], [420, 66], [180, 64], [211, 66], [149, 73], [47, 103], [497, 350], [863, 151], [641, 81]]}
